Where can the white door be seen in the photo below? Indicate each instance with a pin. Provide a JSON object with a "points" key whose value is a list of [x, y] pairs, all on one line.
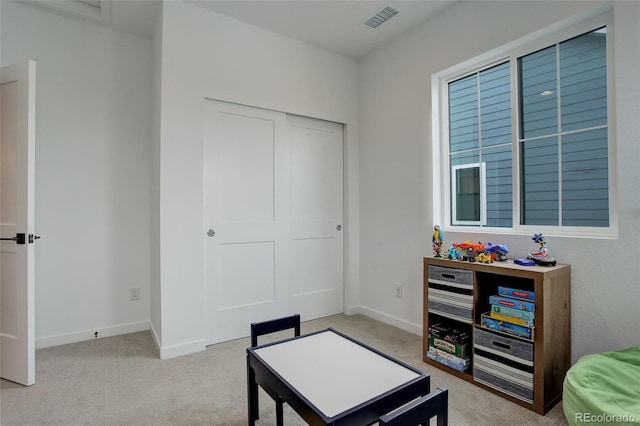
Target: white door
{"points": [[17, 324], [245, 208], [264, 227], [316, 214]]}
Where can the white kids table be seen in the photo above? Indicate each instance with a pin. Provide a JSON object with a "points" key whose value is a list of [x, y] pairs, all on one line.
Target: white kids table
{"points": [[329, 378]]}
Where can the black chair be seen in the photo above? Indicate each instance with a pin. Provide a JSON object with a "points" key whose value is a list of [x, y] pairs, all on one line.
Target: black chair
{"points": [[420, 411], [272, 326], [268, 327]]}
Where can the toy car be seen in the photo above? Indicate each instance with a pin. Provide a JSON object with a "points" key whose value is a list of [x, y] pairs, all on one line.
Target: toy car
{"points": [[468, 245], [468, 251], [542, 259]]}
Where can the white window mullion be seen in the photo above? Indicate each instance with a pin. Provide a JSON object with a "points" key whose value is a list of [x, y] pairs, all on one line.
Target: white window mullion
{"points": [[559, 107], [516, 179], [483, 192]]}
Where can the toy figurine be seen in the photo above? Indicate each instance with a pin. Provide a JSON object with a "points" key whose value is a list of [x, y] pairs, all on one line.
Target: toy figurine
{"points": [[437, 240], [454, 253], [541, 257], [538, 238], [497, 251]]}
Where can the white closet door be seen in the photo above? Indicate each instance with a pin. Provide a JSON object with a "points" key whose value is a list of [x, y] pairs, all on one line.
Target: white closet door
{"points": [[316, 217], [245, 209], [264, 197]]}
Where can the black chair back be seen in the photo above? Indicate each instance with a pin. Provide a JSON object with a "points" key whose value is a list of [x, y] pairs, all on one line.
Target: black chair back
{"points": [[420, 411], [260, 329], [272, 326]]}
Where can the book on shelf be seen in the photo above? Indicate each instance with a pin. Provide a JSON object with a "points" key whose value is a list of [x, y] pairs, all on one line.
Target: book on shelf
{"points": [[513, 303], [512, 319], [516, 313], [451, 364], [526, 333], [517, 293]]}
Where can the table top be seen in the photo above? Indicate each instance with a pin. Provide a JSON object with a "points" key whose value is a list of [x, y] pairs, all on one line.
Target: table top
{"points": [[334, 372]]}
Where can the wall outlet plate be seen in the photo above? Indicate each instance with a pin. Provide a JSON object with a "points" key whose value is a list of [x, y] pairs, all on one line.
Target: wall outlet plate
{"points": [[135, 293], [398, 290]]}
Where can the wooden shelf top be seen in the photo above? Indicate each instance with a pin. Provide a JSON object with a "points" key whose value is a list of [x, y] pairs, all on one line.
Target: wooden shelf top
{"points": [[501, 268]]}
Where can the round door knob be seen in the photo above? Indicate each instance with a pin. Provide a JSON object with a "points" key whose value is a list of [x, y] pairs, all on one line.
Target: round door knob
{"points": [[338, 228], [211, 232]]}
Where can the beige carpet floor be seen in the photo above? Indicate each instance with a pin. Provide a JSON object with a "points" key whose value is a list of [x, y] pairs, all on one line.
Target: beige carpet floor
{"points": [[120, 381]]}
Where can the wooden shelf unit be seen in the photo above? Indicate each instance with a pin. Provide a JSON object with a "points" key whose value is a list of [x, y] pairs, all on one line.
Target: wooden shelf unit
{"points": [[552, 340]]}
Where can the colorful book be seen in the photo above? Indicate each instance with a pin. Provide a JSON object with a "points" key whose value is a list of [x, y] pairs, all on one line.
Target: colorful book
{"points": [[526, 333], [456, 366], [518, 294], [462, 361], [513, 320], [459, 350], [515, 313], [509, 302]]}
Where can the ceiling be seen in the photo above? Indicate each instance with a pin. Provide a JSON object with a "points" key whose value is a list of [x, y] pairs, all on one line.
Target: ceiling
{"points": [[333, 25]]}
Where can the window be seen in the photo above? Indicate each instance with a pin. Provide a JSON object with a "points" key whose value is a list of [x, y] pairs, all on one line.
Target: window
{"points": [[563, 133], [480, 133], [469, 185], [525, 139]]}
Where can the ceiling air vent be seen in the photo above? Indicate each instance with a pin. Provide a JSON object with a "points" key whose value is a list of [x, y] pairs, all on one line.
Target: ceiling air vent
{"points": [[381, 17]]}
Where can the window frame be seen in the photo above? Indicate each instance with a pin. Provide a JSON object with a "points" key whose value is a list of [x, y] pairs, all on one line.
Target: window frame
{"points": [[442, 180]]}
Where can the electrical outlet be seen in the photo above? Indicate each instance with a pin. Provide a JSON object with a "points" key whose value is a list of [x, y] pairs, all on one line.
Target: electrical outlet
{"points": [[135, 293], [398, 290]]}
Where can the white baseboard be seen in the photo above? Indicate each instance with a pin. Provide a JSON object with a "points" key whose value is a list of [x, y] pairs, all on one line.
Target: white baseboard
{"points": [[186, 348], [81, 336], [386, 318], [166, 352], [156, 339], [180, 349]]}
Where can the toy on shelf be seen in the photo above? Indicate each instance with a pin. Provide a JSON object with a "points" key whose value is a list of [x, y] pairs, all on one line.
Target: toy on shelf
{"points": [[483, 253], [454, 253], [541, 257], [468, 250], [437, 240], [497, 251]]}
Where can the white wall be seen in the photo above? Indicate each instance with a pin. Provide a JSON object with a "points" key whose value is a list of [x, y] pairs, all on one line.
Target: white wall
{"points": [[93, 129], [395, 179], [205, 54]]}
